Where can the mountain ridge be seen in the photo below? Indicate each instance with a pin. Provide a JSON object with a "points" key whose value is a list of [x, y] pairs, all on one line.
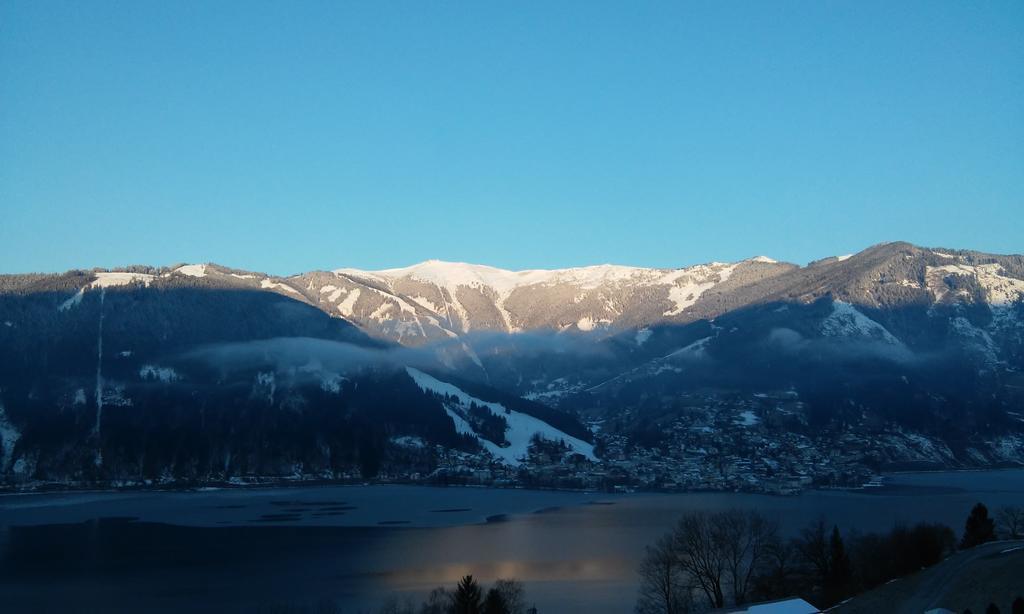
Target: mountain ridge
{"points": [[895, 356], [436, 300]]}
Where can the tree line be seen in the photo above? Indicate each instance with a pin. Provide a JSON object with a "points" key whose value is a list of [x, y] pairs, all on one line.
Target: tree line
{"points": [[711, 560], [467, 597]]}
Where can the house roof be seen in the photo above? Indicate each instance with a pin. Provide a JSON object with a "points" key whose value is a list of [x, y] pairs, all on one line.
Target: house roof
{"points": [[789, 605]]}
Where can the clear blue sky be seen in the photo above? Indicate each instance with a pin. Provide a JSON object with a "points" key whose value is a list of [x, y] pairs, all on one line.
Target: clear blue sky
{"points": [[287, 136]]}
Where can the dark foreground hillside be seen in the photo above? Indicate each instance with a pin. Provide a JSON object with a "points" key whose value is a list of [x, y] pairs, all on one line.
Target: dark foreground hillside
{"points": [[968, 580]]}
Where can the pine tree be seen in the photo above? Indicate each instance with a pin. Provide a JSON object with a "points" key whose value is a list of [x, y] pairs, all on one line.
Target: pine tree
{"points": [[494, 603], [979, 527], [467, 597], [839, 569]]}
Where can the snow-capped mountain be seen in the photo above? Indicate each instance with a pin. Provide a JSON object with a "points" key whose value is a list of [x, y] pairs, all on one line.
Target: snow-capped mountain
{"points": [[204, 372], [437, 300]]}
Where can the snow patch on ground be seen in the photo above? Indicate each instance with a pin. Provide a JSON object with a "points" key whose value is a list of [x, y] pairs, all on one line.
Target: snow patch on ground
{"points": [[74, 301], [192, 270], [687, 285], [1000, 290], [588, 323], [110, 280], [271, 285], [409, 441], [346, 306], [685, 296], [846, 321], [1008, 448], [422, 301], [911, 446], [844, 257], [643, 335], [379, 313], [521, 427], [749, 418], [153, 372]]}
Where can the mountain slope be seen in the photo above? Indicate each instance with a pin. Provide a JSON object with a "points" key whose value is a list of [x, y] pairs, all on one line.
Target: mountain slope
{"points": [[438, 300], [896, 356], [155, 377]]}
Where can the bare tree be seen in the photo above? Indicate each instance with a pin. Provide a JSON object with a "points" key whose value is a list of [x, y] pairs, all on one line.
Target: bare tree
{"points": [[780, 564], [713, 555], [511, 596], [1011, 522], [813, 547], [743, 538], [662, 585], [392, 606], [438, 602], [698, 548]]}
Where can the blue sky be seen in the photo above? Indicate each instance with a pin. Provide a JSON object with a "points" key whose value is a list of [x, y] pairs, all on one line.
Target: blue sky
{"points": [[282, 136]]}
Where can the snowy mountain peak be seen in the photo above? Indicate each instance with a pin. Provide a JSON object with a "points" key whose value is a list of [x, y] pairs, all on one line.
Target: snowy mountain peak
{"points": [[438, 300], [502, 281]]}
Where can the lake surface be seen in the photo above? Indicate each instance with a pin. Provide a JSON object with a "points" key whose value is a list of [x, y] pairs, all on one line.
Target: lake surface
{"points": [[240, 550]]}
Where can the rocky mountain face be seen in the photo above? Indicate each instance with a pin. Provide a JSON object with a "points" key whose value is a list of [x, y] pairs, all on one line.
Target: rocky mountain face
{"points": [[434, 300], [895, 356], [438, 300]]}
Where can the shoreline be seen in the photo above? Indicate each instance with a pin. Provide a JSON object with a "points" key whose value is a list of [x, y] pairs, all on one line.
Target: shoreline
{"points": [[315, 483]]}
